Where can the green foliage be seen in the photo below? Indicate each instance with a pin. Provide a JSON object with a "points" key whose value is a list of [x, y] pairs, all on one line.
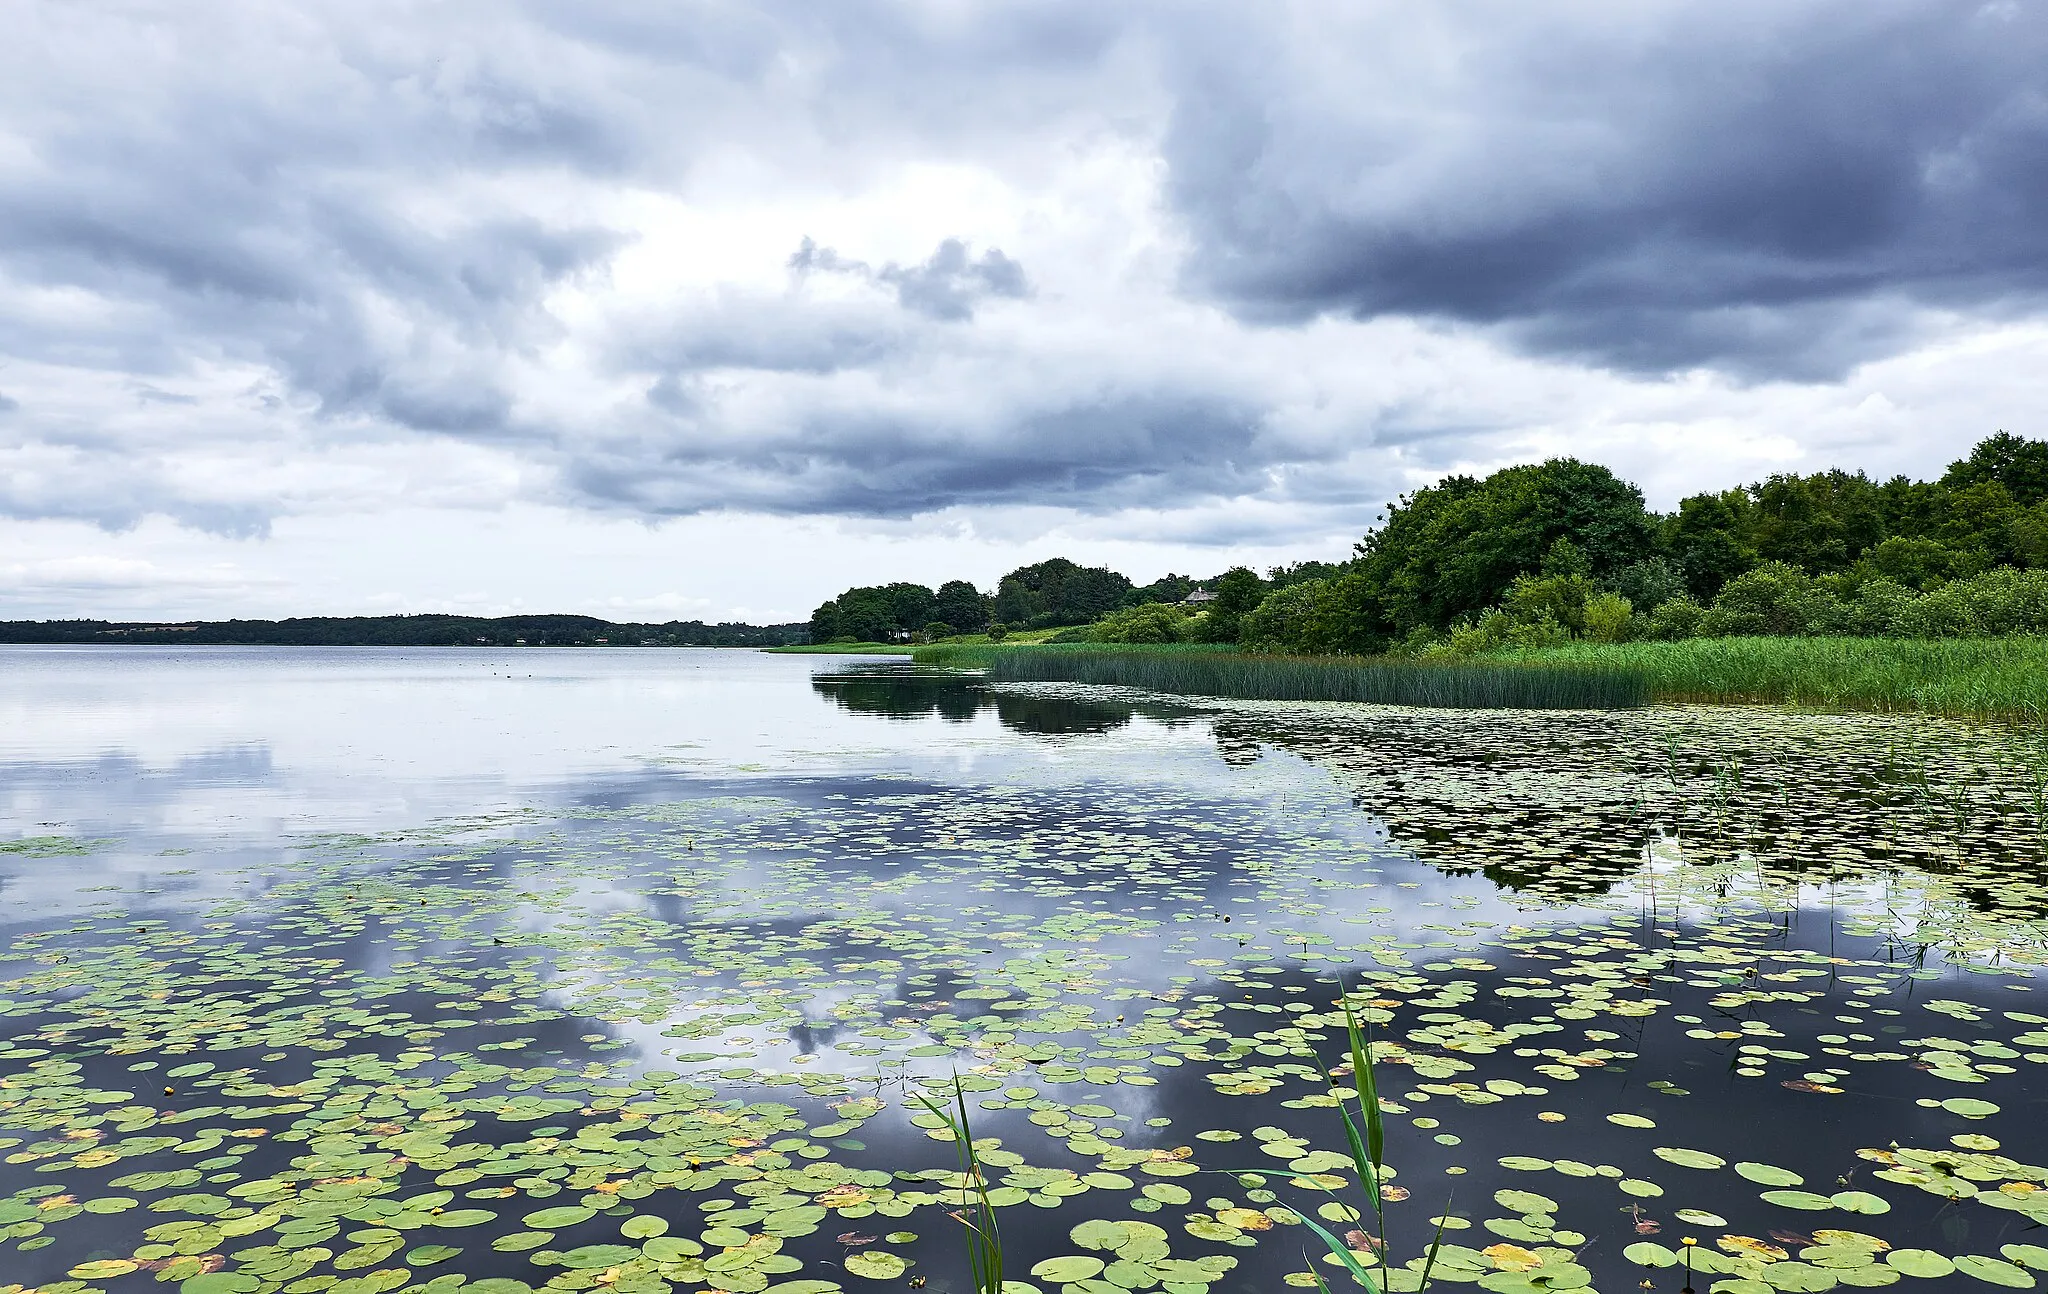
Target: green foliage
{"points": [[2017, 464], [1337, 616], [1239, 591], [1681, 617], [2003, 678], [409, 631], [1453, 549], [1607, 618], [1058, 592], [874, 614], [1775, 598], [1210, 673], [1154, 622], [962, 606], [1650, 583]]}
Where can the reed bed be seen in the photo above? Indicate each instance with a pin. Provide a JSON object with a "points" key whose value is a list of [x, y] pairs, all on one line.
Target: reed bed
{"points": [[2003, 678], [1463, 685]]}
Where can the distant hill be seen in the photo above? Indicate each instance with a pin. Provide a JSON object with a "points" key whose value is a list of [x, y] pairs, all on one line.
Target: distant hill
{"points": [[408, 631]]}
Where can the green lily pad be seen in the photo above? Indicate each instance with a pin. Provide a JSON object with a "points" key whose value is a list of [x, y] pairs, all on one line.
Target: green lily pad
{"points": [[1798, 1200], [1995, 1271], [1689, 1158], [1860, 1202], [878, 1264], [1769, 1174], [1648, 1253], [1068, 1269], [1919, 1262]]}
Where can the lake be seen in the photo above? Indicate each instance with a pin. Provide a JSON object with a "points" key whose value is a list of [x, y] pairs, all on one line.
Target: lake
{"points": [[358, 970]]}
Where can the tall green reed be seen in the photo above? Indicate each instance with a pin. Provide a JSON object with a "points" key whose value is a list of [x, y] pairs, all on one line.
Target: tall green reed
{"points": [[1450, 685], [977, 1214], [1365, 1137]]}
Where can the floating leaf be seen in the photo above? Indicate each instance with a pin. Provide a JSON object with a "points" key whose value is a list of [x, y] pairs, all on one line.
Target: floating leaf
{"points": [[1769, 1174], [1067, 1270], [1648, 1253], [1689, 1158], [1995, 1271], [1798, 1200], [1919, 1262], [881, 1265]]}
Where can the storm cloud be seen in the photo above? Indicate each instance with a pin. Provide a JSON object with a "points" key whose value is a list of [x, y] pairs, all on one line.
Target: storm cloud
{"points": [[1764, 188], [885, 260]]}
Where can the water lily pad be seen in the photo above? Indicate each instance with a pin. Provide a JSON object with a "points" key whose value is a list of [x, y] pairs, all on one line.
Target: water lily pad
{"points": [[1995, 1271], [1798, 1200], [1067, 1269], [1860, 1202], [1769, 1174], [881, 1265], [1919, 1262], [1648, 1253], [1689, 1158]]}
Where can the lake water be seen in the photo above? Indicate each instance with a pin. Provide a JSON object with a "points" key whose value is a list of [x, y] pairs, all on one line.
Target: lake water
{"points": [[362, 970]]}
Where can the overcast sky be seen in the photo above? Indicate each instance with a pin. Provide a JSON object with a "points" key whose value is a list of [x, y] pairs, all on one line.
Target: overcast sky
{"points": [[708, 310]]}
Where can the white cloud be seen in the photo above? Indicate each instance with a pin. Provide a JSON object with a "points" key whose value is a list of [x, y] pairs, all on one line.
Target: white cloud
{"points": [[468, 308]]}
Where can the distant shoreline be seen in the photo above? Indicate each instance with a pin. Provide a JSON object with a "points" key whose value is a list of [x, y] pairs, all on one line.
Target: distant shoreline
{"points": [[404, 631]]}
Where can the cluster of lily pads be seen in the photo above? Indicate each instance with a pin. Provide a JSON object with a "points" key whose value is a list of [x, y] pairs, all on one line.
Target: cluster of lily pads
{"points": [[1731, 998]]}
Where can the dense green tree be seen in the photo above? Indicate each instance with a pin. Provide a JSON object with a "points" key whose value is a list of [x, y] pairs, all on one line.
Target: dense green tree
{"points": [[2018, 464], [1058, 592], [1238, 591], [962, 606], [876, 613], [1709, 539], [1453, 549], [1820, 523], [1166, 589]]}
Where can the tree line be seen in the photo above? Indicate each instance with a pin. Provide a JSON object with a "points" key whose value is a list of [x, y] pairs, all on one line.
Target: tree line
{"points": [[1548, 551], [408, 631]]}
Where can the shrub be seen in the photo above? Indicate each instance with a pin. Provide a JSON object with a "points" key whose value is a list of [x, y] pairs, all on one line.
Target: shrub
{"points": [[1607, 618], [1680, 617], [998, 631], [1154, 622], [1650, 584], [1775, 598], [1558, 598], [937, 629], [1877, 608]]}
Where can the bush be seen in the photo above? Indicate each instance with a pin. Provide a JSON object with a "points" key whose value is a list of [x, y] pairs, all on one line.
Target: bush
{"points": [[1154, 622], [1650, 584], [1878, 608], [1680, 617], [937, 629], [1558, 598], [1774, 599], [1607, 618], [998, 631], [1078, 634]]}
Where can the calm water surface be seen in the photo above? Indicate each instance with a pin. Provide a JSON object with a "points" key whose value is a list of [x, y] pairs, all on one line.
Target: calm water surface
{"points": [[364, 970]]}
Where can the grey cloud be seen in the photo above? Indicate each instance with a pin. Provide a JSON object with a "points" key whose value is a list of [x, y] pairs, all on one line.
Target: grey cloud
{"points": [[1094, 455], [376, 208], [1646, 187], [946, 286]]}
